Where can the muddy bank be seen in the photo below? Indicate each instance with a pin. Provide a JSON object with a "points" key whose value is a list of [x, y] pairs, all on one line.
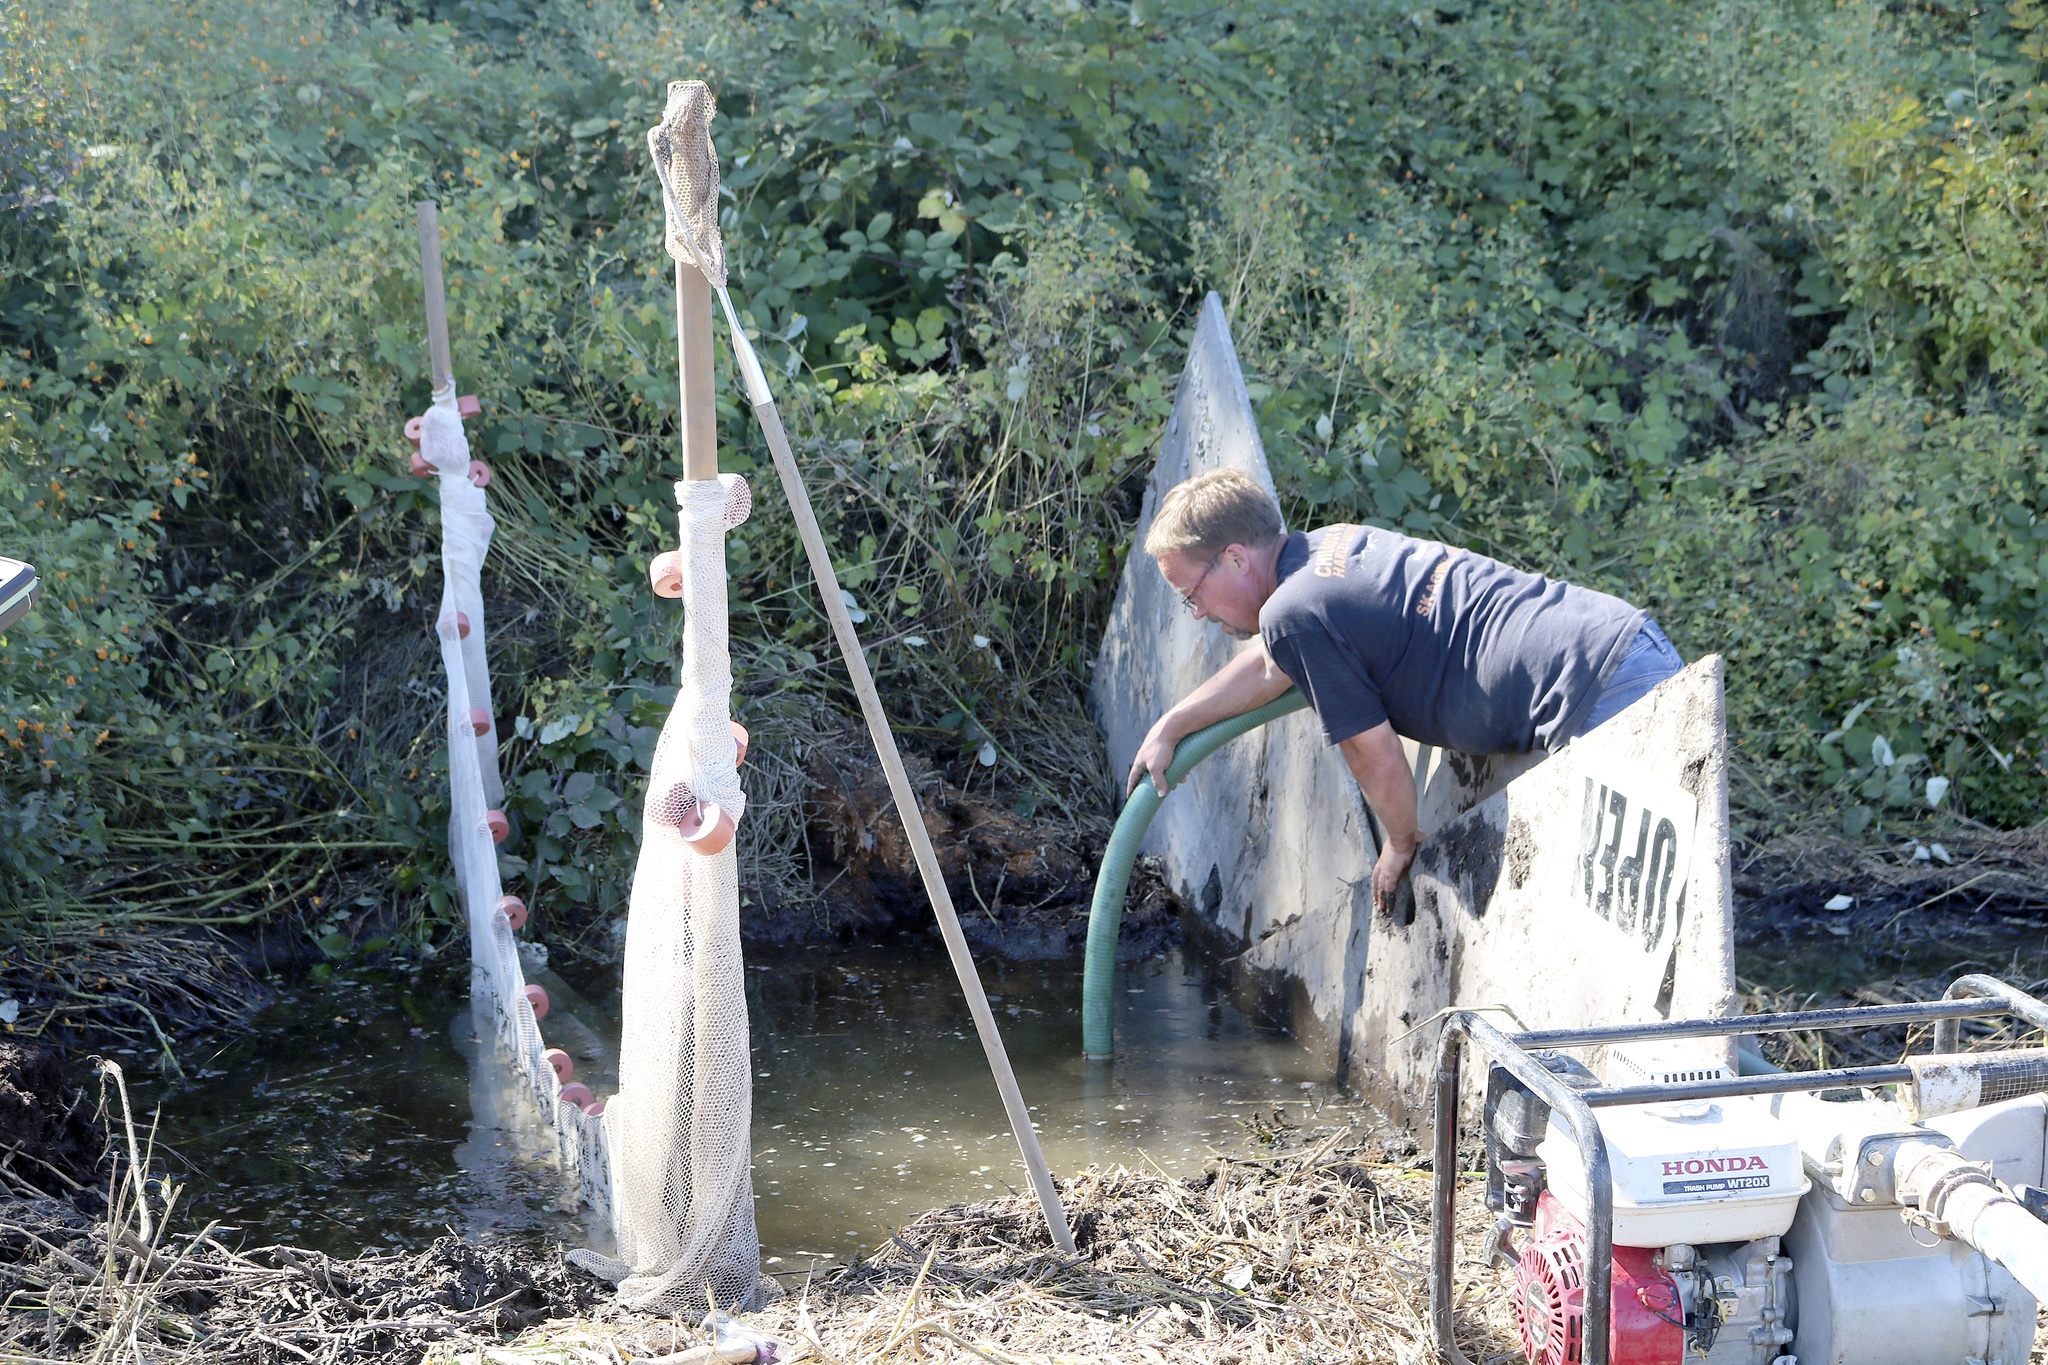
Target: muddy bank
{"points": [[1823, 915], [1021, 877], [98, 1261]]}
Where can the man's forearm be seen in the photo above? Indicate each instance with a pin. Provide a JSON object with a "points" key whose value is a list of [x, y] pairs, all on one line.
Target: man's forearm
{"points": [[1379, 763], [1250, 680]]}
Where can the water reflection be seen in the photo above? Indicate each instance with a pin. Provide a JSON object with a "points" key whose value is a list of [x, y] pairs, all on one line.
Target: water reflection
{"points": [[351, 1114]]}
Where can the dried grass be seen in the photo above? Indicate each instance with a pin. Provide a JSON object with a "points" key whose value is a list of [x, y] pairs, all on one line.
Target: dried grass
{"points": [[1813, 1050], [2010, 866], [1316, 1250]]}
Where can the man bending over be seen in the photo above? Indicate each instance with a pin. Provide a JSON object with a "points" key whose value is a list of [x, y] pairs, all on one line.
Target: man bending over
{"points": [[1387, 635]]}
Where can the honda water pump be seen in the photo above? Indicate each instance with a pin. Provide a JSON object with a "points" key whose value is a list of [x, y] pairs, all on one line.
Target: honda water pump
{"points": [[1664, 1209]]}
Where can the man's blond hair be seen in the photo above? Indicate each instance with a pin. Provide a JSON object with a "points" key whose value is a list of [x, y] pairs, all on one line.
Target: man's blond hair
{"points": [[1202, 516]]}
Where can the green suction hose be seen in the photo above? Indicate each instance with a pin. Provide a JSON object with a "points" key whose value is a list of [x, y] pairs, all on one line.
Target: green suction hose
{"points": [[1113, 881]]}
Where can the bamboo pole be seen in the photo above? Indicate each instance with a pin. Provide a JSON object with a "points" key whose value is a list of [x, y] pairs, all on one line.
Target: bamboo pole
{"points": [[699, 421], [907, 809], [439, 356]]}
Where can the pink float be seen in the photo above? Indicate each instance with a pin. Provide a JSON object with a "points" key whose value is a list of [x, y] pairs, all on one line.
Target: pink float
{"points": [[713, 832], [665, 572], [706, 827], [418, 464], [562, 1062], [514, 911], [578, 1094], [461, 625], [594, 1108], [479, 474], [739, 737], [499, 826], [479, 722], [537, 996]]}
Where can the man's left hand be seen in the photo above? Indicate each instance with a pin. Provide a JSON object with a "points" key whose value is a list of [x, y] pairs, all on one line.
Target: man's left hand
{"points": [[1387, 871]]}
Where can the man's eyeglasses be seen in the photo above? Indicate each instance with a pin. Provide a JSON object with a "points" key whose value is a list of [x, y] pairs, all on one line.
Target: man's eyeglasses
{"points": [[1188, 598]]}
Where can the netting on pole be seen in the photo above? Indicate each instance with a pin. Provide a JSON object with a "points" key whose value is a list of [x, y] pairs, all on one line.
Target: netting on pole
{"points": [[497, 984], [683, 1198], [687, 165], [683, 1208]]}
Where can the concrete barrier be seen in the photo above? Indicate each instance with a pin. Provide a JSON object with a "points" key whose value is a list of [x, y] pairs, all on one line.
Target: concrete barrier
{"points": [[1588, 886]]}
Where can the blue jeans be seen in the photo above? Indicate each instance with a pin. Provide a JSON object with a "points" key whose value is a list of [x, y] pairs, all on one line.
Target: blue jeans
{"points": [[1650, 660]]}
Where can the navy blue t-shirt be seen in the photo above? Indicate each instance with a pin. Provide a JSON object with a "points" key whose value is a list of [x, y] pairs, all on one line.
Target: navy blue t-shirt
{"points": [[1456, 649]]}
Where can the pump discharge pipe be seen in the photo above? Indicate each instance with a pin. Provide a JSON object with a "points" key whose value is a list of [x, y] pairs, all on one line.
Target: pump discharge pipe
{"points": [[1956, 1197], [1113, 879]]}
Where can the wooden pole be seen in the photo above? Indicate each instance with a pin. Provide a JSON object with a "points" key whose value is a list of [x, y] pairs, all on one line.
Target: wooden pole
{"points": [[699, 421], [442, 360]]}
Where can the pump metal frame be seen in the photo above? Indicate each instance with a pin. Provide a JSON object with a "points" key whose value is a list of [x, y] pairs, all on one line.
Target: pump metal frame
{"points": [[1969, 997]]}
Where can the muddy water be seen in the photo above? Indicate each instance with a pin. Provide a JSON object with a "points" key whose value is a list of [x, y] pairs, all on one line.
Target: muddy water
{"points": [[347, 1116], [343, 1118], [1791, 942]]}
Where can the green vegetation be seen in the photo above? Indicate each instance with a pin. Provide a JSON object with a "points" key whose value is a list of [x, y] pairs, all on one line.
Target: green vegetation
{"points": [[1733, 309]]}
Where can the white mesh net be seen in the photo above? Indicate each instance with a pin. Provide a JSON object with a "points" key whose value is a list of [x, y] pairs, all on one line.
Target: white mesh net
{"points": [[667, 1160], [687, 166], [476, 792], [683, 1196], [683, 1205]]}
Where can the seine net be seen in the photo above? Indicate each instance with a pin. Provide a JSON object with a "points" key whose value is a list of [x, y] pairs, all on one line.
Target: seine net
{"points": [[498, 986], [683, 1198]]}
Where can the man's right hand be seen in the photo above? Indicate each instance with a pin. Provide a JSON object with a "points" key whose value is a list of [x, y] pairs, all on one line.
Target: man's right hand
{"points": [[1155, 755]]}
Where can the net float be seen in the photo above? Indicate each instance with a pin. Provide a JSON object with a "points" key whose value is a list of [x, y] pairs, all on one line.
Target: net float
{"points": [[704, 826], [739, 737], [577, 1093], [712, 832], [461, 625], [739, 499], [479, 474], [593, 1109], [537, 996], [665, 572], [498, 825], [419, 466], [466, 407], [562, 1062], [479, 721], [514, 911]]}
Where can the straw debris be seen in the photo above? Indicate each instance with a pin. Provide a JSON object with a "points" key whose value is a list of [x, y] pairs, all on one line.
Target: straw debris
{"points": [[1314, 1249], [1317, 1250]]}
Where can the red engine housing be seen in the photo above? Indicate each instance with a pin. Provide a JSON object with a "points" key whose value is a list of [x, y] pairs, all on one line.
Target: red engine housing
{"points": [[1550, 1298]]}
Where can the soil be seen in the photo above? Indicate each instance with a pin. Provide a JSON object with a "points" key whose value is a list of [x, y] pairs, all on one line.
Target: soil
{"points": [[1978, 904], [47, 1131]]}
